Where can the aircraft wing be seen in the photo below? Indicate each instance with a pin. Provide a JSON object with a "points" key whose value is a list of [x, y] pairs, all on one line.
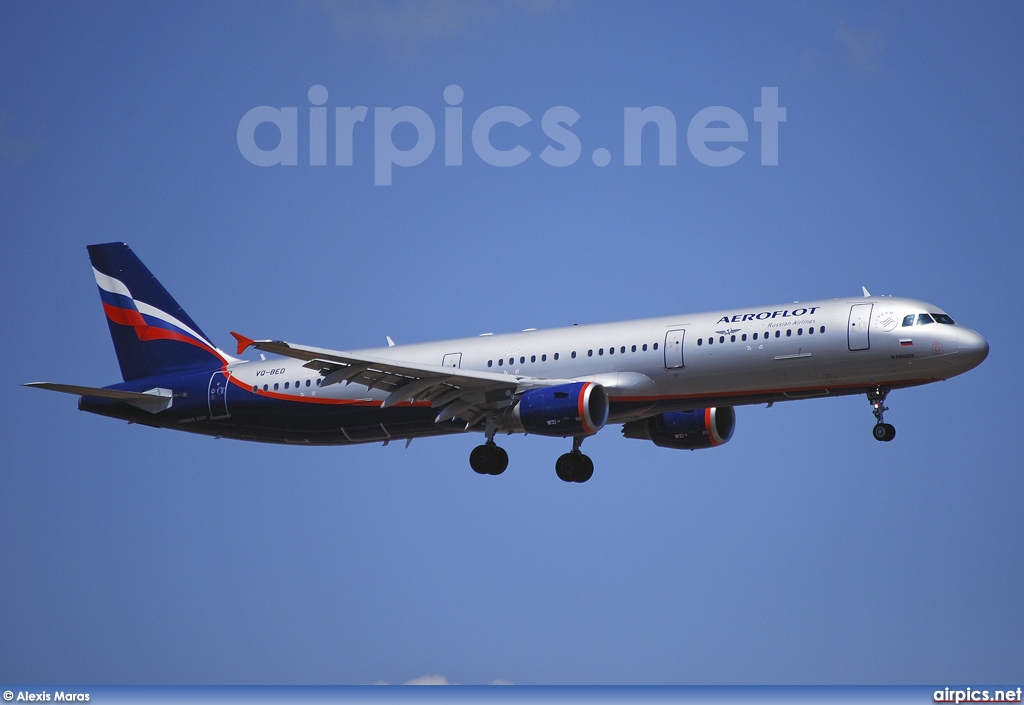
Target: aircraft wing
{"points": [[464, 394]]}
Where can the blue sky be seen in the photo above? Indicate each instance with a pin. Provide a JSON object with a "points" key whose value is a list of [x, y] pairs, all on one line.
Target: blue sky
{"points": [[801, 552]]}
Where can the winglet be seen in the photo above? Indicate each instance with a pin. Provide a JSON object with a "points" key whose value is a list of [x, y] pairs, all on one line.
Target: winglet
{"points": [[865, 290], [243, 342]]}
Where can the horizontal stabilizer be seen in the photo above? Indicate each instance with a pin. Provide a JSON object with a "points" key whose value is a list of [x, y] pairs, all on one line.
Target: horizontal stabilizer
{"points": [[153, 401]]}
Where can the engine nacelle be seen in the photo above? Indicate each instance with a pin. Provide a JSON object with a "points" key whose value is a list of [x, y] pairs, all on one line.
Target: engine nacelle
{"points": [[685, 430], [578, 409]]}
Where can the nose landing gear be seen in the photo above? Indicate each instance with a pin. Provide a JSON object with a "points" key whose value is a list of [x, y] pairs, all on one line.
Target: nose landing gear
{"points": [[882, 431]]}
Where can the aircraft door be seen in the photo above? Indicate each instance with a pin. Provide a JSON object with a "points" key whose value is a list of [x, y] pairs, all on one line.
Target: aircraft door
{"points": [[452, 360], [674, 349], [860, 321], [218, 396]]}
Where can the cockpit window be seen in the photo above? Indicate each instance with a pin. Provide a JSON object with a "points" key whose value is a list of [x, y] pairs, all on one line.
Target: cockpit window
{"points": [[909, 320], [943, 318], [923, 318]]}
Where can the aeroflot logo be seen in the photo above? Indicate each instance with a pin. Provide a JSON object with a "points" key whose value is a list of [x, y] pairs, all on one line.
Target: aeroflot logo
{"points": [[786, 313], [712, 134]]}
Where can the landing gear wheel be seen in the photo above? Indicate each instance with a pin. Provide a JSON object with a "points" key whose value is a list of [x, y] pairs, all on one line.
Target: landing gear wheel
{"points": [[574, 467], [587, 470], [479, 459], [500, 461], [488, 459], [884, 432], [565, 467]]}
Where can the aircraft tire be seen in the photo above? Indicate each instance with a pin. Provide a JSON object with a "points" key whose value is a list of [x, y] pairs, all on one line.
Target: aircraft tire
{"points": [[565, 467], [488, 459], [499, 461], [586, 469], [884, 432], [480, 460]]}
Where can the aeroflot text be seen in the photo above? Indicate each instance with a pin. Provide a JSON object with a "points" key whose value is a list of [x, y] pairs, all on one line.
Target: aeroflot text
{"points": [[740, 317], [714, 124]]}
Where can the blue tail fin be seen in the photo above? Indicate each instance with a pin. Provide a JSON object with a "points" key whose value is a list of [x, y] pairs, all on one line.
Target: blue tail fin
{"points": [[152, 334]]}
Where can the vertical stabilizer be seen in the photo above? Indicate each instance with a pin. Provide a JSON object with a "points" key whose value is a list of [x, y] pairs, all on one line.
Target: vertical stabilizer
{"points": [[152, 334]]}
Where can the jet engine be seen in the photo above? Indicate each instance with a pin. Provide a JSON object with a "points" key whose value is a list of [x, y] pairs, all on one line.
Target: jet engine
{"points": [[578, 409], [685, 430]]}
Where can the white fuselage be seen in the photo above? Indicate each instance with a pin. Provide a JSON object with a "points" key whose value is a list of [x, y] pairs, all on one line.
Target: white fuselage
{"points": [[797, 350]]}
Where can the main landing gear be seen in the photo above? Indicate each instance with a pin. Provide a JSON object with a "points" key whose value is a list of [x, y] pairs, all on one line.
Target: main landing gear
{"points": [[574, 466], [882, 431], [489, 459]]}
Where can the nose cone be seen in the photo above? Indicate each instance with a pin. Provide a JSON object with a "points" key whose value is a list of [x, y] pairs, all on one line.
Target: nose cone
{"points": [[972, 347]]}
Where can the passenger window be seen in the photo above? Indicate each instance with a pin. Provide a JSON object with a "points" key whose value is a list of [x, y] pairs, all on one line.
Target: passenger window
{"points": [[611, 351], [275, 386], [622, 349], [286, 385], [755, 336], [711, 341], [924, 319], [778, 334], [645, 347], [810, 331], [655, 346], [633, 349], [600, 351], [799, 331], [732, 339], [318, 381], [264, 387], [908, 320], [822, 329], [789, 332], [590, 353], [721, 339], [700, 341], [744, 337], [490, 363], [573, 354], [556, 356], [543, 358], [533, 358], [522, 359], [307, 382]]}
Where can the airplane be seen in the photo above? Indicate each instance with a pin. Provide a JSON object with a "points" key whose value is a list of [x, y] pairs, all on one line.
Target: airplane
{"points": [[674, 381]]}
